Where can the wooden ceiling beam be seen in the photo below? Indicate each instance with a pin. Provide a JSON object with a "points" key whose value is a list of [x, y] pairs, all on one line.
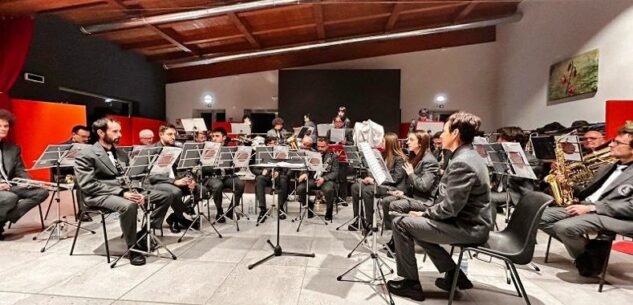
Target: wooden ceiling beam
{"points": [[64, 9], [465, 11], [244, 30], [318, 20], [395, 13], [173, 38]]}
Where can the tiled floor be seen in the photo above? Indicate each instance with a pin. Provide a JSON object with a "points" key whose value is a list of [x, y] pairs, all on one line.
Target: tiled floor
{"points": [[210, 270]]}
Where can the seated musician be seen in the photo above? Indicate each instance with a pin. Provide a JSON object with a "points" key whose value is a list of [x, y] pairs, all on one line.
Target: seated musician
{"points": [[278, 131], [606, 204], [306, 143], [421, 178], [264, 177], [15, 200], [200, 137], [516, 186], [79, 134], [323, 181], [395, 160], [460, 214], [97, 169], [592, 140], [176, 183], [146, 137], [221, 179]]}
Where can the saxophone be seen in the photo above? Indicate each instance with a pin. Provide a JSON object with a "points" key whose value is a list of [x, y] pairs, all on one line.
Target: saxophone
{"points": [[559, 179]]}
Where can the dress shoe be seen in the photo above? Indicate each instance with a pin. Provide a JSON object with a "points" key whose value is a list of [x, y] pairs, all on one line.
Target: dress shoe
{"points": [[86, 218], [184, 222], [328, 215], [173, 224], [261, 218], [282, 215], [218, 216], [136, 259], [406, 288], [141, 243], [446, 282]]}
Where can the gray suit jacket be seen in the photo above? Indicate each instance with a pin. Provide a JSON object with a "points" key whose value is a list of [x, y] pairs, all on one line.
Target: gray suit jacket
{"points": [[272, 133], [617, 199], [96, 175], [464, 194], [424, 181], [12, 161]]}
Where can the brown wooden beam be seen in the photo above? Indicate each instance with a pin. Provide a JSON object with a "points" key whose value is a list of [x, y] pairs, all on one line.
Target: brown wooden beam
{"points": [[64, 9], [465, 11], [244, 30], [334, 54], [318, 20], [395, 13], [171, 36]]}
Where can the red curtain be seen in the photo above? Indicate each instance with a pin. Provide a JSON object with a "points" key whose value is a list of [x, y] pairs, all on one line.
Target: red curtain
{"points": [[15, 39]]}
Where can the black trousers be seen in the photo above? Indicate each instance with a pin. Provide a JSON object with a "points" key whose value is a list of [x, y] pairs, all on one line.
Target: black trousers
{"points": [[18, 200], [217, 184], [282, 183], [328, 191]]}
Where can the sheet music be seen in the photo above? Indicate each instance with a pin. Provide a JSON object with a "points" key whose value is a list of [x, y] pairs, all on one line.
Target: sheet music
{"points": [[479, 144], [370, 132], [69, 157], [191, 125], [499, 159], [242, 156], [240, 128], [280, 152], [518, 160], [165, 161], [50, 156], [337, 135], [210, 153], [314, 161], [376, 164], [322, 129], [429, 125], [572, 150]]}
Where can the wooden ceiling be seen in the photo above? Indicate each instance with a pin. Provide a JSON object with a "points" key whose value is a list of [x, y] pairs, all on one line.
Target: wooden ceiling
{"points": [[306, 22]]}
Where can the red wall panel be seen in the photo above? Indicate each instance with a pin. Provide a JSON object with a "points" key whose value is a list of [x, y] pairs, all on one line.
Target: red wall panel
{"points": [[617, 113], [39, 124], [139, 124], [126, 129]]}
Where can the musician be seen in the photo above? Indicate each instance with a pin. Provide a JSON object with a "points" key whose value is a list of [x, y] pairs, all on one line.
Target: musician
{"points": [[342, 112], [592, 140], [146, 136], [221, 179], [606, 203], [15, 201], [395, 160], [460, 214], [97, 169], [79, 134], [177, 184], [277, 131], [247, 120], [423, 116], [325, 181], [422, 180], [307, 143], [307, 122], [200, 137], [264, 178], [339, 123]]}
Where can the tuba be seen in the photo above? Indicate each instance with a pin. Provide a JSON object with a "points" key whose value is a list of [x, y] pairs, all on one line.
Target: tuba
{"points": [[292, 142], [559, 178]]}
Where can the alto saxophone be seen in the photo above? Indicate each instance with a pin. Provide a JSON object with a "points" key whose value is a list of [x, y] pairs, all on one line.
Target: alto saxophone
{"points": [[559, 179]]}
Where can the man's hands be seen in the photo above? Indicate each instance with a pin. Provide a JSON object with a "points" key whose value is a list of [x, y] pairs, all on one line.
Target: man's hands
{"points": [[186, 181], [579, 209], [319, 182], [368, 180], [134, 197], [398, 194], [5, 186], [415, 214], [302, 177]]}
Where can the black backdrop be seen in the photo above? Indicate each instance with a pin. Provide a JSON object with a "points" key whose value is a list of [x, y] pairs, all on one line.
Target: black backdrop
{"points": [[367, 94]]}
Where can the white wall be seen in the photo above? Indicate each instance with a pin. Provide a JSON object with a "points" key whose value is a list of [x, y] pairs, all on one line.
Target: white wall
{"points": [[553, 31], [465, 74]]}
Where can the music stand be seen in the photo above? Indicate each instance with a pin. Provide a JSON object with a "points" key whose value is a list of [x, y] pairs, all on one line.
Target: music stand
{"points": [[379, 171], [313, 162], [194, 125], [355, 160], [224, 163], [57, 156], [190, 159], [139, 169], [277, 250]]}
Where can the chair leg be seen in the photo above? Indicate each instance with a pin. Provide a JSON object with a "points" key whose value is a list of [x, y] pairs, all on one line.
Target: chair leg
{"points": [[549, 242], [603, 274], [72, 195], [105, 237], [513, 279], [72, 248], [39, 207], [452, 250], [455, 276], [518, 280]]}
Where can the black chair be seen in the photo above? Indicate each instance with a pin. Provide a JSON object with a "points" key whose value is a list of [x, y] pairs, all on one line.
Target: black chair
{"points": [[93, 210], [515, 244]]}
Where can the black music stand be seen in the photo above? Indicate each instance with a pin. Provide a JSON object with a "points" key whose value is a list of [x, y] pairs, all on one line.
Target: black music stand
{"points": [[379, 171], [225, 162], [304, 210], [355, 160], [190, 159], [58, 156], [138, 170]]}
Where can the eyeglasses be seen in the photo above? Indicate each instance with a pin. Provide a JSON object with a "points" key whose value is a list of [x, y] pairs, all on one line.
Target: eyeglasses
{"points": [[616, 142]]}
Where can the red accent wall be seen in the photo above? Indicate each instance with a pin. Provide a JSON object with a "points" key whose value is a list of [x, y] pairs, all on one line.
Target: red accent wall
{"points": [[39, 124], [139, 124], [617, 113]]}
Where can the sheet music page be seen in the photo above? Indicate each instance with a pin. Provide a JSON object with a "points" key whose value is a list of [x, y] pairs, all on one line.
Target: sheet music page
{"points": [[571, 147], [322, 129], [210, 153], [69, 157], [479, 146], [240, 128], [337, 135], [242, 156], [280, 152], [518, 160], [165, 161], [375, 163], [314, 161]]}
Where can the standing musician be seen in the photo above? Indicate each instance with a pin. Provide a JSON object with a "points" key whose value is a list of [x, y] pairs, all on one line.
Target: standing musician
{"points": [[97, 169], [342, 112], [395, 160], [323, 181], [176, 184], [460, 214], [264, 177], [339, 123], [307, 122], [422, 180], [15, 201], [606, 204], [277, 131], [423, 116], [221, 179]]}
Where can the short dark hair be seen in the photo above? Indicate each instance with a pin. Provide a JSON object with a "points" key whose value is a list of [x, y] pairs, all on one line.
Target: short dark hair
{"points": [[437, 135], [164, 127], [199, 133], [278, 121], [513, 134], [270, 139], [220, 130], [102, 124], [627, 129], [467, 123], [77, 128], [7, 116], [323, 139]]}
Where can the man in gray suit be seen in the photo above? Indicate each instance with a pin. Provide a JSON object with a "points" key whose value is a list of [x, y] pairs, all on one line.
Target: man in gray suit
{"points": [[460, 214], [606, 204], [15, 201], [97, 170]]}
